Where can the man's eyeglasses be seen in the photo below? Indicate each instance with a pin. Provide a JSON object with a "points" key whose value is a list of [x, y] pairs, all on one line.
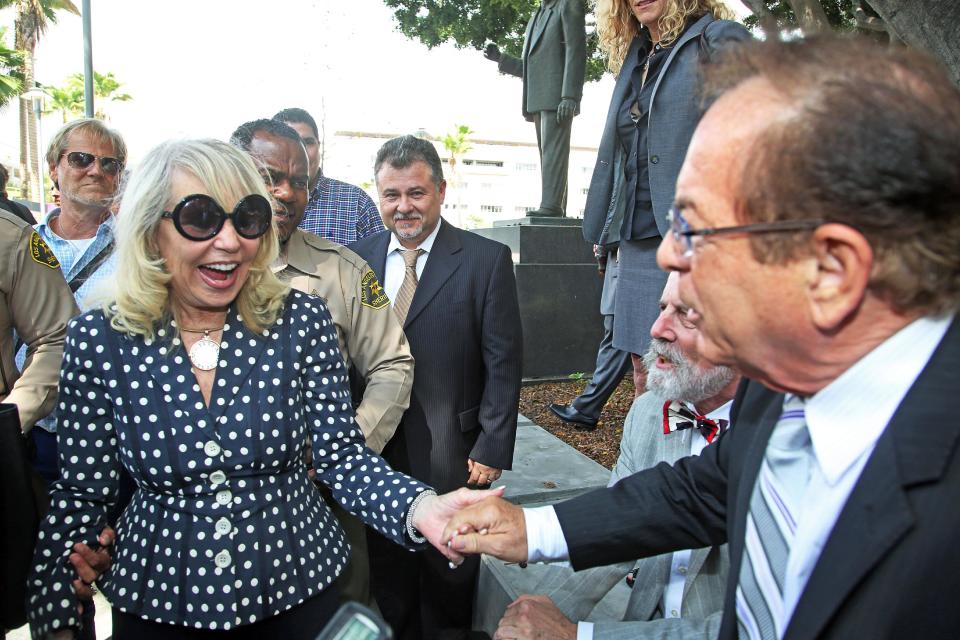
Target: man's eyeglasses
{"points": [[683, 235], [82, 160], [199, 217]]}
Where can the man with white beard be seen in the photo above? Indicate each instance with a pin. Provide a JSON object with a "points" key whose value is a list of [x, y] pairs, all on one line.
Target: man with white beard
{"points": [[674, 595]]}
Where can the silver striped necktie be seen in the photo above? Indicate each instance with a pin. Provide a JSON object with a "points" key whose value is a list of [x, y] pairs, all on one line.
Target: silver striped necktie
{"points": [[775, 505]]}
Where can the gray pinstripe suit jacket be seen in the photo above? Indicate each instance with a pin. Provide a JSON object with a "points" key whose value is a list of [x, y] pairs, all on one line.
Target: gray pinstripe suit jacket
{"points": [[643, 446]]}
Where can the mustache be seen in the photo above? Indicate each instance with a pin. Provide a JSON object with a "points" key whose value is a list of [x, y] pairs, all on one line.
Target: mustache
{"points": [[660, 348], [407, 216]]}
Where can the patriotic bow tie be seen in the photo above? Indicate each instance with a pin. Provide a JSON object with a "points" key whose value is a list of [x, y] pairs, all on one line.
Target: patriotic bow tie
{"points": [[677, 417]]}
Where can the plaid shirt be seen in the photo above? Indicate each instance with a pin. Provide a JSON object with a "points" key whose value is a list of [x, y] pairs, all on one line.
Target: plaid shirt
{"points": [[72, 262], [341, 212]]}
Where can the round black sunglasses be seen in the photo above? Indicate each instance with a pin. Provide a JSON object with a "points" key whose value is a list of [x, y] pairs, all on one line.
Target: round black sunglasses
{"points": [[199, 217]]}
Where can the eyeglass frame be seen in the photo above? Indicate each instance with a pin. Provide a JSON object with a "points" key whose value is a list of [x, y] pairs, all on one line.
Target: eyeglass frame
{"points": [[683, 235], [174, 215], [96, 158]]}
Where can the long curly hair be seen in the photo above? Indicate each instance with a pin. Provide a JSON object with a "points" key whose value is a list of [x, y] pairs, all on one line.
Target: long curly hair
{"points": [[617, 26]]}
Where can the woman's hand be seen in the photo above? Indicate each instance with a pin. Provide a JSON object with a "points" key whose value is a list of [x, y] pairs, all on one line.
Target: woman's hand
{"points": [[433, 513]]}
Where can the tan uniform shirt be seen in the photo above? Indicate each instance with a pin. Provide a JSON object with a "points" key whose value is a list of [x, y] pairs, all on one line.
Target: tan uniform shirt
{"points": [[36, 302], [371, 340]]}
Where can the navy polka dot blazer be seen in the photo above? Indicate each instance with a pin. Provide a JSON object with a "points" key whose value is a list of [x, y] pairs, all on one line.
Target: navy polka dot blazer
{"points": [[225, 528]]}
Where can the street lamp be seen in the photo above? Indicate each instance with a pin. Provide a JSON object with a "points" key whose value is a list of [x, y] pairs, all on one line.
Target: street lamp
{"points": [[36, 96]]}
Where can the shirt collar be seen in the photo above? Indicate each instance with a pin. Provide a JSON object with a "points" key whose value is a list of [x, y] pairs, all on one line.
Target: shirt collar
{"points": [[44, 225], [426, 245], [848, 416]]}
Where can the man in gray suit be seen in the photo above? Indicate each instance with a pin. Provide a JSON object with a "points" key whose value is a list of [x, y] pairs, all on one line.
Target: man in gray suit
{"points": [[553, 66], [674, 595]]}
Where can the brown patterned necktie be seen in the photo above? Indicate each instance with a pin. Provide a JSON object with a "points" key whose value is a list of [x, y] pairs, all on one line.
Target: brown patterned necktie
{"points": [[405, 295]]}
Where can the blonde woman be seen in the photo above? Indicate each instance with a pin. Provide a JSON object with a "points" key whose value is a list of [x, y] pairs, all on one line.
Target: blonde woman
{"points": [[654, 47], [202, 377]]}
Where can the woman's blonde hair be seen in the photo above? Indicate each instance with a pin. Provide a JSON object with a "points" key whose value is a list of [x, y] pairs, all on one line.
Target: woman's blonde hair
{"points": [[140, 299], [617, 26]]}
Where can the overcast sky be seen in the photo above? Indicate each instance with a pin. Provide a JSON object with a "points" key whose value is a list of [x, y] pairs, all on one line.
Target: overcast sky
{"points": [[202, 67]]}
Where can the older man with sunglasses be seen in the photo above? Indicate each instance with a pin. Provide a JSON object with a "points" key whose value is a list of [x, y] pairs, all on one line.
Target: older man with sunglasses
{"points": [[85, 159]]}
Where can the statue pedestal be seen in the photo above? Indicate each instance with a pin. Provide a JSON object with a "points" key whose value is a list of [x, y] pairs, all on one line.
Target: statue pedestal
{"points": [[558, 286]]}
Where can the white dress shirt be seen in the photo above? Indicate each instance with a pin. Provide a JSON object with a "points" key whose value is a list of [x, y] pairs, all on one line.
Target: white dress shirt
{"points": [[865, 396], [395, 266]]}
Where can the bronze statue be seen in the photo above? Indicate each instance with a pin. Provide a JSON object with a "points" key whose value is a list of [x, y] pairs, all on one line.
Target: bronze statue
{"points": [[553, 66]]}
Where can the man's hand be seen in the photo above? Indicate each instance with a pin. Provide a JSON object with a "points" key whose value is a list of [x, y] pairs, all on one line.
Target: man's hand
{"points": [[494, 527], [91, 564], [566, 110], [534, 618], [434, 512], [492, 52], [481, 474]]}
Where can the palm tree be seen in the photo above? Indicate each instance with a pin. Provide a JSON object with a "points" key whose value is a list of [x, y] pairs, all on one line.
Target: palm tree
{"points": [[10, 63], [32, 18], [457, 145], [105, 88], [68, 100]]}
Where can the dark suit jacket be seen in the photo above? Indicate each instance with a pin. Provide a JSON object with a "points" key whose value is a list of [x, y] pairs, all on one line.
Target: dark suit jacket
{"points": [[465, 336], [675, 110], [889, 568]]}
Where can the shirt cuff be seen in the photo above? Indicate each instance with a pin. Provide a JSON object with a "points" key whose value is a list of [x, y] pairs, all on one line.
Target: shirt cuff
{"points": [[584, 631], [545, 541]]}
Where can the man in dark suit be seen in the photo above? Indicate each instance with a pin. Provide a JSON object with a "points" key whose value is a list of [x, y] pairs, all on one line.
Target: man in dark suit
{"points": [[553, 67], [455, 296], [830, 274]]}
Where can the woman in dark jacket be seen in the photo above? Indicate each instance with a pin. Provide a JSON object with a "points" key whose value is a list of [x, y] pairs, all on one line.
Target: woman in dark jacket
{"points": [[655, 47]]}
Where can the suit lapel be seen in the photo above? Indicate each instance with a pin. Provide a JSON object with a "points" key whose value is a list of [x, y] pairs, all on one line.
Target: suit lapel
{"points": [[649, 584], [753, 422], [688, 35], [378, 257], [878, 513], [443, 261], [540, 26], [238, 348]]}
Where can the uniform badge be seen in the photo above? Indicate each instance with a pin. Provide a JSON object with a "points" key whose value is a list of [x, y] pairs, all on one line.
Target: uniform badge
{"points": [[371, 293], [41, 253]]}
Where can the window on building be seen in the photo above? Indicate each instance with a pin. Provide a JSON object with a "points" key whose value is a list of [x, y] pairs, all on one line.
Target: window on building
{"points": [[491, 208], [526, 166]]}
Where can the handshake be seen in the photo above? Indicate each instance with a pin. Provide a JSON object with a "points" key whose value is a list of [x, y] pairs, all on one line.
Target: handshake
{"points": [[460, 523]]}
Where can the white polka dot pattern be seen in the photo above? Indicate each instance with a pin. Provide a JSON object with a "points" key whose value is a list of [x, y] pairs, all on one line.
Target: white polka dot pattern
{"points": [[225, 528]]}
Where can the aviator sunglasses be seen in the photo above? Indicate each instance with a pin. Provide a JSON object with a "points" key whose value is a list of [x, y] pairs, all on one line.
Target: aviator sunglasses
{"points": [[199, 217], [82, 160]]}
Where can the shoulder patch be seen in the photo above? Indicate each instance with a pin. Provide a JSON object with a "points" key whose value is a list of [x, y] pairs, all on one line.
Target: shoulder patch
{"points": [[41, 253], [371, 293]]}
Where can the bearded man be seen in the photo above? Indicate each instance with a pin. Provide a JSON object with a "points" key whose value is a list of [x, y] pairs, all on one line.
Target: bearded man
{"points": [[674, 595]]}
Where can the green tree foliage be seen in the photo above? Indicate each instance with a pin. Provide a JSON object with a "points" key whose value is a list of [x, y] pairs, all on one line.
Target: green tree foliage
{"points": [[11, 75], [457, 143], [67, 100], [106, 88], [474, 23], [32, 18], [842, 14]]}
